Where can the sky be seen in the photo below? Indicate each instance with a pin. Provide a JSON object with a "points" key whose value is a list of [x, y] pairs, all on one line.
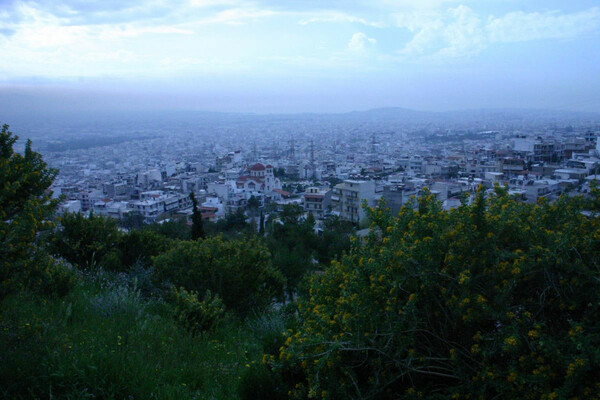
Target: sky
{"points": [[272, 56]]}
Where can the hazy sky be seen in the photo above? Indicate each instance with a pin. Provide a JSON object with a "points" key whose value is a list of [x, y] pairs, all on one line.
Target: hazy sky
{"points": [[306, 55]]}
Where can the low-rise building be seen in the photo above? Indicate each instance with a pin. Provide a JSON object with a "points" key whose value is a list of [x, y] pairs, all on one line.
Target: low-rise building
{"points": [[348, 197], [317, 201]]}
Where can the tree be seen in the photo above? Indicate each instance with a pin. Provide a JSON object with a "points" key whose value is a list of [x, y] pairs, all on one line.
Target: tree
{"points": [[174, 228], [335, 239], [498, 299], [140, 246], [310, 220], [86, 241], [26, 210], [261, 226], [233, 225], [253, 203], [238, 271], [279, 172], [197, 227], [292, 243]]}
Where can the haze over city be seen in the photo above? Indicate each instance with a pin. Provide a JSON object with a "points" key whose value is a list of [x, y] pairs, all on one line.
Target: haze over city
{"points": [[301, 56]]}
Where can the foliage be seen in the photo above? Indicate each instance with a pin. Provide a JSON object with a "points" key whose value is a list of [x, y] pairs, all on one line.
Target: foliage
{"points": [[132, 220], [25, 210], [87, 242], [195, 315], [279, 172], [197, 226], [239, 271], [292, 242], [140, 246], [233, 225], [253, 203], [105, 341], [260, 382], [335, 239], [498, 299], [174, 228], [261, 224], [593, 203]]}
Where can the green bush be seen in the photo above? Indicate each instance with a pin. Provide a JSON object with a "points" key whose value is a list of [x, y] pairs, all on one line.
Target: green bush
{"points": [[85, 241], [260, 382], [499, 299], [140, 246], [197, 315], [239, 271], [268, 327]]}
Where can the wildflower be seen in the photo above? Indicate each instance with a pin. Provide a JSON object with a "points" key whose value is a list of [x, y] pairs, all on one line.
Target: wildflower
{"points": [[511, 341], [533, 334]]}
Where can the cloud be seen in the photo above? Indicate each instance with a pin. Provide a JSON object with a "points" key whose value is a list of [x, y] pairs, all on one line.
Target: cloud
{"points": [[236, 16], [359, 41], [519, 26], [104, 37], [215, 3], [332, 16], [461, 32]]}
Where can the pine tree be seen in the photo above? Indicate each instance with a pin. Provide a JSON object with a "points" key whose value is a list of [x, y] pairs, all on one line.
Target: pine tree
{"points": [[197, 228]]}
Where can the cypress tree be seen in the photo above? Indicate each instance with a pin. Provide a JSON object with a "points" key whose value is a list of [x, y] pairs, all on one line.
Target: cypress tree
{"points": [[197, 228], [261, 227]]}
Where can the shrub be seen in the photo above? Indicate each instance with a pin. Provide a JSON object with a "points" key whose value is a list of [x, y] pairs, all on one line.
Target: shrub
{"points": [[239, 271], [494, 300], [197, 316], [140, 246], [85, 241], [260, 382]]}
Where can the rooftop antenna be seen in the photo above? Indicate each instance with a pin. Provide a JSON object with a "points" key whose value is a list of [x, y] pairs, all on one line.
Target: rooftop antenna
{"points": [[312, 153], [292, 151], [312, 157]]}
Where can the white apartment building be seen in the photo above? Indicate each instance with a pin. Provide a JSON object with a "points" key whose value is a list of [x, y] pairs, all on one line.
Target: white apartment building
{"points": [[316, 201], [347, 199]]}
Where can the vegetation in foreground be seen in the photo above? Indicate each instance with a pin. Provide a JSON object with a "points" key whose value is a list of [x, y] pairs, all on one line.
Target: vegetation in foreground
{"points": [[106, 340], [494, 300]]}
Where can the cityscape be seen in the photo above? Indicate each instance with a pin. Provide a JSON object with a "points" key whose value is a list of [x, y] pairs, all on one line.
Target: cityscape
{"points": [[326, 164], [299, 200]]}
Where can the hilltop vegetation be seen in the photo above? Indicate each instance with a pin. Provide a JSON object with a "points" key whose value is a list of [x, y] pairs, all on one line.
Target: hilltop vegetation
{"points": [[498, 299], [494, 300]]}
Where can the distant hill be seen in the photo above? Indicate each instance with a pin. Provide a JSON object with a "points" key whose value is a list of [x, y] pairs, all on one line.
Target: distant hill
{"points": [[474, 115]]}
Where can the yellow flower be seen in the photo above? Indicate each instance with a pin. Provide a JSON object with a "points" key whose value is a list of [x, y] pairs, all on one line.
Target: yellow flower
{"points": [[533, 334], [511, 341]]}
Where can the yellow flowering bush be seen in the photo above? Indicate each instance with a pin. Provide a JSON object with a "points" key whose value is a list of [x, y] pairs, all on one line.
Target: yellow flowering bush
{"points": [[498, 299]]}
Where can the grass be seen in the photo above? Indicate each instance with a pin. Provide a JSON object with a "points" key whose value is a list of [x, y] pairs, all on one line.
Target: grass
{"points": [[105, 340]]}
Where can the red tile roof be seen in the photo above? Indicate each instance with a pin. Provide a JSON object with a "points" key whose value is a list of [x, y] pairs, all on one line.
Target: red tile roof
{"points": [[257, 167]]}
